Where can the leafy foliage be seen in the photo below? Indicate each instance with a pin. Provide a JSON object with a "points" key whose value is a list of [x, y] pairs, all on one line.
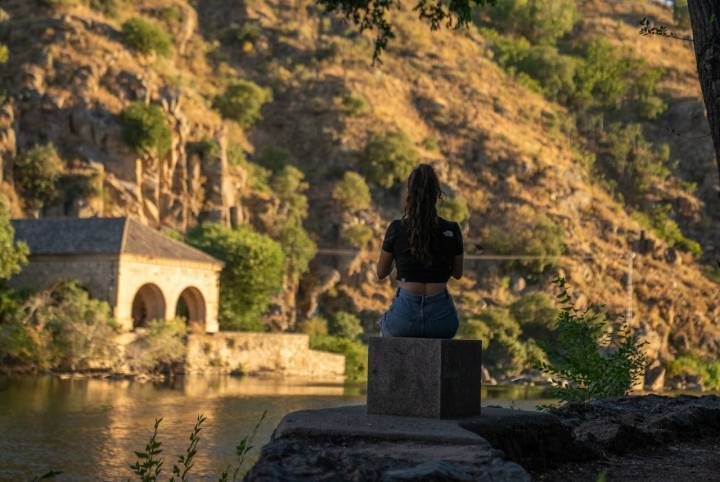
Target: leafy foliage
{"points": [[352, 192], [539, 21], [454, 209], [357, 234], [526, 233], [345, 325], [145, 36], [313, 326], [590, 360], [659, 221], [36, 172], [13, 255], [354, 105], [695, 364], [253, 273], [160, 349], [242, 102], [4, 54], [145, 129], [536, 314], [681, 14], [389, 158], [354, 351]]}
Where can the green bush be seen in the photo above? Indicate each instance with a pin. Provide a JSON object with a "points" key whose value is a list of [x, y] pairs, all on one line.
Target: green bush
{"points": [[111, 8], [242, 102], [633, 164], [13, 255], [145, 129], [36, 172], [681, 14], [354, 351], [454, 209], [160, 349], [526, 233], [240, 34], [81, 329], [431, 144], [21, 345], [694, 364], [536, 314], [666, 228], [274, 158], [587, 361], [253, 273], [352, 192], [389, 158], [357, 234], [345, 325], [539, 21], [354, 105], [145, 36], [313, 326], [4, 54], [712, 273]]}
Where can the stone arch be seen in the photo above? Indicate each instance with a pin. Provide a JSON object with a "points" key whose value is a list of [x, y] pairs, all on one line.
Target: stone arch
{"points": [[191, 306], [148, 304]]}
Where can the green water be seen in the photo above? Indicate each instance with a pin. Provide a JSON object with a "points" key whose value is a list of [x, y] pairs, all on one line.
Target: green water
{"points": [[89, 428]]}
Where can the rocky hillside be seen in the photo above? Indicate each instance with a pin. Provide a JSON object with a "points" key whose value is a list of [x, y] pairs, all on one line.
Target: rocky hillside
{"points": [[512, 155]]}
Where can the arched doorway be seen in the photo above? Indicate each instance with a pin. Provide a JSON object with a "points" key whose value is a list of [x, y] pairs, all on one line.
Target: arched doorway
{"points": [[191, 307], [148, 304]]}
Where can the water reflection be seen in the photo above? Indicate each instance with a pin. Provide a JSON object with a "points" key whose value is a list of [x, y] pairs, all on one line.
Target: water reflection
{"points": [[89, 428]]}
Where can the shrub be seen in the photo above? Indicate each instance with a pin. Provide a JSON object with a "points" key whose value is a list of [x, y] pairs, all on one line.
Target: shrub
{"points": [[314, 326], [590, 361], [247, 33], [145, 129], [354, 351], [352, 192], [712, 273], [145, 36], [82, 330], [274, 158], [632, 163], [242, 102], [666, 228], [161, 349], [4, 54], [681, 14], [357, 234], [106, 7], [354, 105], [454, 209], [13, 255], [431, 144], [536, 314], [540, 21], [389, 158], [36, 173], [694, 364], [526, 233], [345, 325], [21, 345], [253, 273]]}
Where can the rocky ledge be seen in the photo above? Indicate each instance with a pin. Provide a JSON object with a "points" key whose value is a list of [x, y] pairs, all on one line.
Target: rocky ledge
{"points": [[502, 444]]}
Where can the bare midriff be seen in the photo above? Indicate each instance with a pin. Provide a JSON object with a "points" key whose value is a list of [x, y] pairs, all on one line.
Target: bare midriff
{"points": [[422, 289]]}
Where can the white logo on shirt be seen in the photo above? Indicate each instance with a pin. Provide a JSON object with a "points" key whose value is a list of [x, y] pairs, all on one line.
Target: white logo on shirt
{"points": [[448, 233]]}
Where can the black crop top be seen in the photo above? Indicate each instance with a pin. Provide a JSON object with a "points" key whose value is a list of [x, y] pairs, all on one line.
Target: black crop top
{"points": [[446, 244]]}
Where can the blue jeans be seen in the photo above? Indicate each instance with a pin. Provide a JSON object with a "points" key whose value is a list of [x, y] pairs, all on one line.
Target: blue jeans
{"points": [[419, 316]]}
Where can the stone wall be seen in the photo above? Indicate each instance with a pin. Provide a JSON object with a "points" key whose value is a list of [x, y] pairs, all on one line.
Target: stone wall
{"points": [[258, 353], [97, 273], [172, 277]]}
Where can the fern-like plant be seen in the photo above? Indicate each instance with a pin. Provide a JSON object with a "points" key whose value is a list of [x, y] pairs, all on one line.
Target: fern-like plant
{"points": [[586, 359]]}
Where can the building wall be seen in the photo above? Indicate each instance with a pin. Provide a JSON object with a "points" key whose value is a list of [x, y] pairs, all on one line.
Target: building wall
{"points": [[171, 277], [284, 354], [97, 273]]}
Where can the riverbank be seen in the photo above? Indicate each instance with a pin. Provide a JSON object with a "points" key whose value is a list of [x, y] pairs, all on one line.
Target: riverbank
{"points": [[582, 439]]}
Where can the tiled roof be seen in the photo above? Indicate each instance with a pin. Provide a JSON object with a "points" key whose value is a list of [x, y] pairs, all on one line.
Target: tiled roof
{"points": [[75, 236]]}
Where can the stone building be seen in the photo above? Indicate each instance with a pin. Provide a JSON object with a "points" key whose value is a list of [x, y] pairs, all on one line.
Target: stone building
{"points": [[141, 273]]}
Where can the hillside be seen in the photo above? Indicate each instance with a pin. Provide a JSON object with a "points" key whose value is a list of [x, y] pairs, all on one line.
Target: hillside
{"points": [[512, 154]]}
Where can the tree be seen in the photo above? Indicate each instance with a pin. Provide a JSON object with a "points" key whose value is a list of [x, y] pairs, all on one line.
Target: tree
{"points": [[253, 273], [36, 173], [352, 192], [704, 18], [145, 129], [389, 158], [12, 255], [147, 37], [242, 102]]}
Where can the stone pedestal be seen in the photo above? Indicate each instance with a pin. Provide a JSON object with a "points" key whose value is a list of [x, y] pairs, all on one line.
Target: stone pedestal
{"points": [[424, 377]]}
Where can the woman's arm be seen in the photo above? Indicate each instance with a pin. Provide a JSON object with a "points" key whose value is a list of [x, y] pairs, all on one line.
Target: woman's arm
{"points": [[384, 264], [457, 270]]}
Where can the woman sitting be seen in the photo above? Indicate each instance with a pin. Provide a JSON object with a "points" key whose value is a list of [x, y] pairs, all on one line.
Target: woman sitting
{"points": [[426, 250]]}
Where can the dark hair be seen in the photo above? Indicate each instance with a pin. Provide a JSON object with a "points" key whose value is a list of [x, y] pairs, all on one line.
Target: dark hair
{"points": [[421, 212]]}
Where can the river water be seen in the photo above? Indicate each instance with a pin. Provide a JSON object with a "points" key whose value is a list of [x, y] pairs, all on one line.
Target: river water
{"points": [[89, 428]]}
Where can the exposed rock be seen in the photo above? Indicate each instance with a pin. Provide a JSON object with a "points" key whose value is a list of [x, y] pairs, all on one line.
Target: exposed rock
{"points": [[655, 377], [518, 284]]}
